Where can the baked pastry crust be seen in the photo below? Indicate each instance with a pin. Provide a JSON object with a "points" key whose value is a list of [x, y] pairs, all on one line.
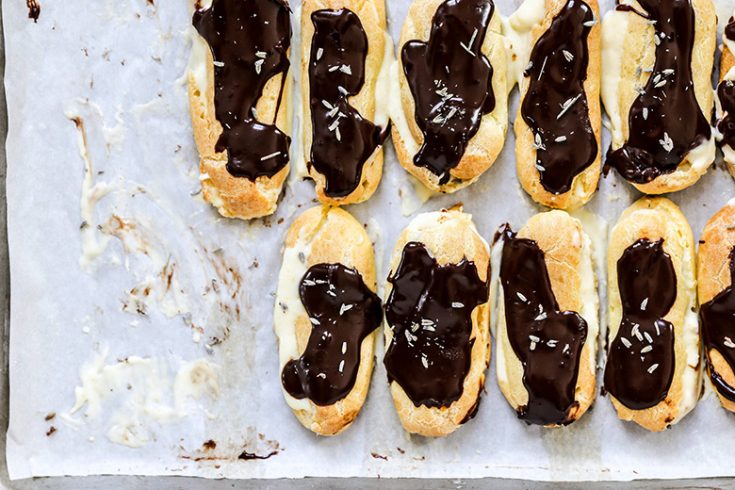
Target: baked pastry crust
{"points": [[638, 52], [656, 218], [483, 149], [568, 258], [234, 197], [585, 183], [713, 271], [324, 235], [449, 236], [372, 15]]}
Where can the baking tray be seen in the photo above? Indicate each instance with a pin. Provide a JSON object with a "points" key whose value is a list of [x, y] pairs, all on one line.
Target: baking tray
{"points": [[95, 482]]}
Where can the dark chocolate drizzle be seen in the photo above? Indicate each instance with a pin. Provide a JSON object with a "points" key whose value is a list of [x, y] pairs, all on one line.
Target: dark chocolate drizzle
{"points": [[451, 82], [726, 96], [665, 119], [730, 30], [429, 311], [343, 311], [718, 331], [726, 124], [249, 41], [548, 342], [342, 139], [640, 364], [555, 105]]}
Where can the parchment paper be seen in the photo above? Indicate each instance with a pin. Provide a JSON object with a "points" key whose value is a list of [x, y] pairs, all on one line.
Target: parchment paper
{"points": [[139, 317]]}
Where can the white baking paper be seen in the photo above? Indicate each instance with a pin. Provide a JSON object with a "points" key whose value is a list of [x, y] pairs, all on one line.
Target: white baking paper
{"points": [[141, 336]]}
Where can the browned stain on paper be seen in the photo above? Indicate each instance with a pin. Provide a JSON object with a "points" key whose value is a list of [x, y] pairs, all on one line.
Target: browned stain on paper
{"points": [[34, 9], [266, 450]]}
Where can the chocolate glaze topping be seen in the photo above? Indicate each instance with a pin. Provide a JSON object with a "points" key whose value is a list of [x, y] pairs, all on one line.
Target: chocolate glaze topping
{"points": [[730, 29], [640, 364], [665, 120], [726, 95], [343, 311], [726, 125], [429, 311], [555, 106], [342, 139], [718, 331], [547, 341], [249, 41], [451, 82]]}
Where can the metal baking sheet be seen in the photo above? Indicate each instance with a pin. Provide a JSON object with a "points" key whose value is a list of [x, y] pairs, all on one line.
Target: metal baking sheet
{"points": [[118, 68]]}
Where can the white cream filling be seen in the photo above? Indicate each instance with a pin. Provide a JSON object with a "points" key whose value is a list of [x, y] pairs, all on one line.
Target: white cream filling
{"points": [[298, 150], [288, 309], [590, 298], [383, 85], [727, 151], [198, 60], [614, 28], [701, 156], [692, 375], [502, 366], [413, 195], [517, 31], [496, 256], [595, 230], [395, 110]]}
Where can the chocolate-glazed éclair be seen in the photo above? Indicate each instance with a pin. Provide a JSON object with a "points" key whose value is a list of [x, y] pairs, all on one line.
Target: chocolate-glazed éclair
{"points": [[718, 331], [249, 41], [342, 139], [548, 342], [429, 311], [451, 82], [555, 105], [343, 311], [640, 364], [665, 121], [726, 96]]}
